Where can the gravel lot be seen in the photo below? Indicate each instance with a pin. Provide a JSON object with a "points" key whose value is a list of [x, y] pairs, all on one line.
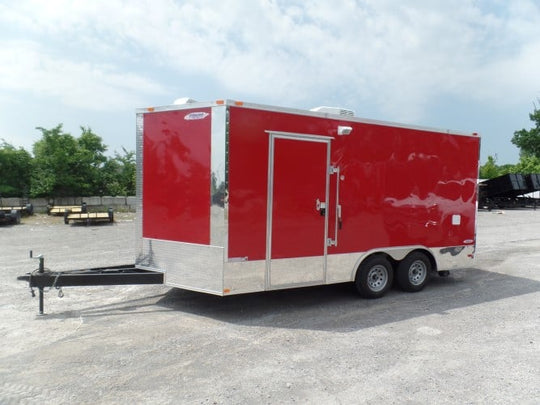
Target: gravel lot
{"points": [[473, 337]]}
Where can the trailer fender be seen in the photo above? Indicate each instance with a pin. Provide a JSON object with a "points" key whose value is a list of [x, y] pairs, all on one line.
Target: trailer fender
{"points": [[395, 255], [453, 257]]}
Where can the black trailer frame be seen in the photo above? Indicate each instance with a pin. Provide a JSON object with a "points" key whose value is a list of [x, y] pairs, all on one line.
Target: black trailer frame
{"points": [[126, 274]]}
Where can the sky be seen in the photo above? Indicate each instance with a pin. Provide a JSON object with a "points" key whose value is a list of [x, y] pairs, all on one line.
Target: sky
{"points": [[466, 65]]}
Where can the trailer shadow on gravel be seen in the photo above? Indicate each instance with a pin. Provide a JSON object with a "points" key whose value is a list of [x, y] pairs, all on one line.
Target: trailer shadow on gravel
{"points": [[338, 308], [334, 308], [331, 308]]}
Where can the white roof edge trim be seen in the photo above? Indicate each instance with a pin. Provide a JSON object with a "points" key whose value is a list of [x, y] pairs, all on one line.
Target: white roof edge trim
{"points": [[298, 111]]}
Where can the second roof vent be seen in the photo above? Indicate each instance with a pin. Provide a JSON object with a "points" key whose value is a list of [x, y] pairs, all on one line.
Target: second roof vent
{"points": [[334, 110]]}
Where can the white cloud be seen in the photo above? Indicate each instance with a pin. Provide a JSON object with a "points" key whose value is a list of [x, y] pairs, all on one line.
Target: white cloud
{"points": [[78, 84], [399, 57]]}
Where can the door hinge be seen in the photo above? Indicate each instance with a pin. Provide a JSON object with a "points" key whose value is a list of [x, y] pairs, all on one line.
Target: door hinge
{"points": [[331, 242], [333, 170]]}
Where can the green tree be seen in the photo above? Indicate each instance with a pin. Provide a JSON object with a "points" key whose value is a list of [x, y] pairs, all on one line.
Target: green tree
{"points": [[66, 166], [528, 165], [490, 169], [91, 158], [507, 168], [528, 141], [54, 164], [15, 169], [119, 174]]}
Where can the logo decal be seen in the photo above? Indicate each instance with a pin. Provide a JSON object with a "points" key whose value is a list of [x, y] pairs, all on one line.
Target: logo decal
{"points": [[196, 116]]}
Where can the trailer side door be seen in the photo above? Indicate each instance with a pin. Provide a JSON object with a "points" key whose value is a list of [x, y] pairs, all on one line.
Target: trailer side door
{"points": [[297, 227]]}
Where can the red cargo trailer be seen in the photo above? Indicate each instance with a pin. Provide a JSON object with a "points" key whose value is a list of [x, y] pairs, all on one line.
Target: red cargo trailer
{"points": [[236, 198]]}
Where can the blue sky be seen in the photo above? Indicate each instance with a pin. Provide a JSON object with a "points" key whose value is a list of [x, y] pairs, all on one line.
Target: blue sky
{"points": [[472, 65]]}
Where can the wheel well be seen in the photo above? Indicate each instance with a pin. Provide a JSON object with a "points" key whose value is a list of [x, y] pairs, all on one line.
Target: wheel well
{"points": [[429, 256], [395, 262], [375, 254]]}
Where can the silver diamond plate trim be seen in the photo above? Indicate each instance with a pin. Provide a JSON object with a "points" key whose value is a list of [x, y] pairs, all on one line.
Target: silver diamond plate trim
{"points": [[186, 265], [139, 183]]}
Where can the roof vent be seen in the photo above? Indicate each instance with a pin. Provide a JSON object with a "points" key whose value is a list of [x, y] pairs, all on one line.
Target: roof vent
{"points": [[184, 100], [334, 110]]}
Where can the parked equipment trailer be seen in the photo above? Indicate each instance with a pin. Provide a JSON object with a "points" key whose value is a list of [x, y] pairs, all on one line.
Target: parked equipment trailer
{"points": [[89, 217], [236, 198], [10, 216], [23, 209], [512, 190], [62, 209], [533, 182]]}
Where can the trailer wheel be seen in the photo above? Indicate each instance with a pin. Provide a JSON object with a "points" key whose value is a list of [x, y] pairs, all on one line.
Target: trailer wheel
{"points": [[374, 277], [412, 273], [16, 216]]}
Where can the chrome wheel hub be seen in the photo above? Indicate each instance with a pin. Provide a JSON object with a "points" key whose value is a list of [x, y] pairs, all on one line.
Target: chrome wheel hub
{"points": [[377, 278], [417, 272]]}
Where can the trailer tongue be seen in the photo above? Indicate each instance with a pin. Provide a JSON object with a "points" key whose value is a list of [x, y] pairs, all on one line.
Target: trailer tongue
{"points": [[126, 274]]}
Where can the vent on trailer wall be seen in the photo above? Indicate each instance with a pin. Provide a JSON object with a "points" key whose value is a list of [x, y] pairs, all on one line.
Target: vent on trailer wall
{"points": [[334, 110]]}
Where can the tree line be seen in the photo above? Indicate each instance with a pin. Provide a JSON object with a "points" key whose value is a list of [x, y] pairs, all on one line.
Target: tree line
{"points": [[62, 165], [528, 142]]}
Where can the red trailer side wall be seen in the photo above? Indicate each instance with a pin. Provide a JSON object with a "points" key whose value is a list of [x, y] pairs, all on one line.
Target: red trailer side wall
{"points": [[403, 186], [399, 186], [176, 175]]}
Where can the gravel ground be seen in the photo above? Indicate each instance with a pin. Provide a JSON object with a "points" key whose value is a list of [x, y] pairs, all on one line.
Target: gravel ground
{"points": [[471, 338]]}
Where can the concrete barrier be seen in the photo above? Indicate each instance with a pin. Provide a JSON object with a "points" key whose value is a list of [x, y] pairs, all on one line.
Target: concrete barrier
{"points": [[131, 202], [92, 201]]}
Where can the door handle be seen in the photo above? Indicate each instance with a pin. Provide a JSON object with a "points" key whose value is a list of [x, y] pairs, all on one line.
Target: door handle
{"points": [[321, 207]]}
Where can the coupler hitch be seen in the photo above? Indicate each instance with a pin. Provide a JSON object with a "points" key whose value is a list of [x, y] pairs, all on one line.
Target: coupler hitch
{"points": [[127, 274]]}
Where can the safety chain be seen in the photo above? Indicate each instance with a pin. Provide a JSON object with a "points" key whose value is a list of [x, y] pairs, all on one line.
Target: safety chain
{"points": [[47, 270]]}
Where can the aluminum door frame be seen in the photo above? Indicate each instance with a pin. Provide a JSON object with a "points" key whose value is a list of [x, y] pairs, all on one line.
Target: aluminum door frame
{"points": [[273, 136]]}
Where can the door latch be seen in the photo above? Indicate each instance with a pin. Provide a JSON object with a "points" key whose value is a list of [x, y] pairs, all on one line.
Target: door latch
{"points": [[321, 207]]}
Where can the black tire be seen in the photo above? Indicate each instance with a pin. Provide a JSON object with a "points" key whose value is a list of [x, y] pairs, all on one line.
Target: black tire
{"points": [[374, 277], [16, 217], [412, 273]]}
